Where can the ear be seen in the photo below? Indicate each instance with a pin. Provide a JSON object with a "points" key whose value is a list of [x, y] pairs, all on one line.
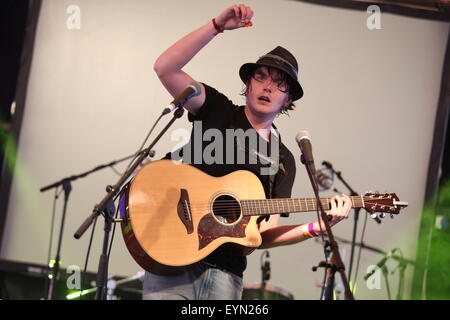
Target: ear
{"points": [[287, 102]]}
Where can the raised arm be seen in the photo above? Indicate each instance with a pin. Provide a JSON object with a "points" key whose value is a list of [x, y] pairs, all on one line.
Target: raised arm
{"points": [[169, 64]]}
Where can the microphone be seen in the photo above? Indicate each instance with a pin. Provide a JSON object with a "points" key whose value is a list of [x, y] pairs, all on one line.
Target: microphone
{"points": [[192, 90], [265, 267], [379, 265], [327, 164], [304, 142], [323, 180]]}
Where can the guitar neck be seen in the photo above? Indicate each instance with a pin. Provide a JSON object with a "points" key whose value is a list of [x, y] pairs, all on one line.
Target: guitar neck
{"points": [[288, 205]]}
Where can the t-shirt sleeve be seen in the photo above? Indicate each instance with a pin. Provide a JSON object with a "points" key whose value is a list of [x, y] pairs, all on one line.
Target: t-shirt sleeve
{"points": [[216, 105]]}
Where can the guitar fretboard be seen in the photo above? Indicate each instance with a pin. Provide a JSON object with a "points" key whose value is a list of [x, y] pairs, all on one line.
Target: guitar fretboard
{"points": [[288, 205]]}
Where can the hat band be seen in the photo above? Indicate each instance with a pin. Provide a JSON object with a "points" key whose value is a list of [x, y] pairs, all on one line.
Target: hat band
{"points": [[281, 61]]}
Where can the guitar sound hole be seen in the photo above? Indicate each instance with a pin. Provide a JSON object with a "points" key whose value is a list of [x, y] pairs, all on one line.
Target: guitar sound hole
{"points": [[226, 209]]}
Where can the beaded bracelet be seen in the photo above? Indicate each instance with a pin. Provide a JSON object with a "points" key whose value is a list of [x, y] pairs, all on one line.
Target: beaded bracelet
{"points": [[218, 29]]}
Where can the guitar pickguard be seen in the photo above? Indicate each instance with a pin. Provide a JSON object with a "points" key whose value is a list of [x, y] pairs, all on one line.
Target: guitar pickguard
{"points": [[210, 229]]}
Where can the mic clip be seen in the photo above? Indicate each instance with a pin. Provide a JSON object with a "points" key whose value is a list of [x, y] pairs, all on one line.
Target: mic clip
{"points": [[302, 159]]}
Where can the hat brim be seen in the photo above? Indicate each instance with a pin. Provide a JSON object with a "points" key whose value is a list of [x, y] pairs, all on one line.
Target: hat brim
{"points": [[248, 68]]}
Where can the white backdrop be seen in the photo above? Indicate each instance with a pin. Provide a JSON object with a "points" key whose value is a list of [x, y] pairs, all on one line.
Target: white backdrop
{"points": [[370, 102]]}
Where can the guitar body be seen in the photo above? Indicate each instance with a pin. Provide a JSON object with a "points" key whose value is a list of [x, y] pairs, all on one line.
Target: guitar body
{"points": [[175, 215]]}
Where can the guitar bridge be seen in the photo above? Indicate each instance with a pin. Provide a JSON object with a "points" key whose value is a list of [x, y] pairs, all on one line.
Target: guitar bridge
{"points": [[184, 211]]}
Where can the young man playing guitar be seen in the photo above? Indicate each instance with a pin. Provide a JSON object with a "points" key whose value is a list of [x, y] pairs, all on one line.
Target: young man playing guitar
{"points": [[271, 85]]}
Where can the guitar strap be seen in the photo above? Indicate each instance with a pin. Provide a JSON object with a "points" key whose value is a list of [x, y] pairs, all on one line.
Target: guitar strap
{"points": [[274, 133], [282, 169]]}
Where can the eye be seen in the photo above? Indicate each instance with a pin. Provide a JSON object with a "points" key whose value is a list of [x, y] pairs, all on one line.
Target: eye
{"points": [[282, 86], [260, 76]]}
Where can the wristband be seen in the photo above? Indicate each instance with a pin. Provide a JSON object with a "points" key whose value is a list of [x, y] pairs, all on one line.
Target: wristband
{"points": [[218, 29], [311, 230], [306, 233]]}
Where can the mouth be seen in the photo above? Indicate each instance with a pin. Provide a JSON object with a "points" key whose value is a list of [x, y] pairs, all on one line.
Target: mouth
{"points": [[264, 98]]}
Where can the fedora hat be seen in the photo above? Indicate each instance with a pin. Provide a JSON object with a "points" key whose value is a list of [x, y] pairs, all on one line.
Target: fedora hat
{"points": [[281, 59]]}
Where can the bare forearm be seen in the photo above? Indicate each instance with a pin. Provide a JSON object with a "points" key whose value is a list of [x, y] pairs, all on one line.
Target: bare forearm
{"points": [[283, 235], [274, 236], [179, 54]]}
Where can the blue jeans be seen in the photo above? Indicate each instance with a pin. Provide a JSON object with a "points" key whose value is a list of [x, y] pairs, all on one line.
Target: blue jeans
{"points": [[201, 282]]}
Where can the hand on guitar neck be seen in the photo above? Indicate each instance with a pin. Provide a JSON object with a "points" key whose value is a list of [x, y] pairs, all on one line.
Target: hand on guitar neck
{"points": [[340, 209]]}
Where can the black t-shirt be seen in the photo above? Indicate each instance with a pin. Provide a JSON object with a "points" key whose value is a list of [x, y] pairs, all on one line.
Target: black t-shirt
{"points": [[217, 115]]}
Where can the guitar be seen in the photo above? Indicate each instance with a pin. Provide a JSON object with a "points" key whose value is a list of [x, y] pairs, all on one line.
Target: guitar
{"points": [[174, 215]]}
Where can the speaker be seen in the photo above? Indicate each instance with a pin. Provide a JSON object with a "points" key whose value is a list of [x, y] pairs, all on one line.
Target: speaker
{"points": [[26, 281]]}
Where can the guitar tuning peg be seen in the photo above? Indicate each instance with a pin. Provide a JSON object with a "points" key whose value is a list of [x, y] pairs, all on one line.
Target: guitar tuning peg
{"points": [[392, 216]]}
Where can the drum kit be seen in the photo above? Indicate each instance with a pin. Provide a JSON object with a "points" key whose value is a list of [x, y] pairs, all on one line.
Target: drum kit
{"points": [[264, 291], [131, 287]]}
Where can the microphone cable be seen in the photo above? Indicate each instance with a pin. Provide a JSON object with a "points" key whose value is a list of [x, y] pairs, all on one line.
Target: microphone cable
{"points": [[83, 275], [90, 245], [138, 152], [52, 227], [359, 252]]}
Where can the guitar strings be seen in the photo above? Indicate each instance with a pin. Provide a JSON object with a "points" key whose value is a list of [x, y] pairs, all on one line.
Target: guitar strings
{"points": [[226, 204], [232, 203], [326, 200]]}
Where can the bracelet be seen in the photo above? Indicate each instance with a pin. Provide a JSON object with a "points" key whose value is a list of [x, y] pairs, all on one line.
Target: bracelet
{"points": [[219, 30], [311, 230], [306, 233]]}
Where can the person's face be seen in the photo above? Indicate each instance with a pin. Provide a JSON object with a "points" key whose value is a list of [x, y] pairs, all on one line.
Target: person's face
{"points": [[267, 92]]}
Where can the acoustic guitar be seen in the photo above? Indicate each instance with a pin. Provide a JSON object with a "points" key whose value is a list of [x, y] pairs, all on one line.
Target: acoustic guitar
{"points": [[174, 215]]}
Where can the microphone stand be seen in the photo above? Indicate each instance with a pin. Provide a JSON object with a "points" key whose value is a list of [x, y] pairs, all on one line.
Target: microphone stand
{"points": [[265, 274], [355, 216], [336, 261], [67, 188], [373, 249], [108, 198]]}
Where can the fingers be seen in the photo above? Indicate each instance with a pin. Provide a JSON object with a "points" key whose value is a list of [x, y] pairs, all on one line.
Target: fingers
{"points": [[243, 13], [236, 16], [237, 11], [347, 205], [340, 207], [246, 13]]}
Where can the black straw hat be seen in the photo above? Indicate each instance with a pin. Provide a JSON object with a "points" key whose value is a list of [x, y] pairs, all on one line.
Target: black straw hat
{"points": [[281, 59]]}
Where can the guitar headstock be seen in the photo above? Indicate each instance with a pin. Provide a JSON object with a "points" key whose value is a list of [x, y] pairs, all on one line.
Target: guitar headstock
{"points": [[383, 202]]}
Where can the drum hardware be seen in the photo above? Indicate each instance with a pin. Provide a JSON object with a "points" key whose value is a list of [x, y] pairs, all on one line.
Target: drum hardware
{"points": [[260, 291], [263, 290], [111, 286]]}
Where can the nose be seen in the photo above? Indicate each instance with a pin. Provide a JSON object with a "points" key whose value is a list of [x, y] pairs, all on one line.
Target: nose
{"points": [[268, 85]]}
